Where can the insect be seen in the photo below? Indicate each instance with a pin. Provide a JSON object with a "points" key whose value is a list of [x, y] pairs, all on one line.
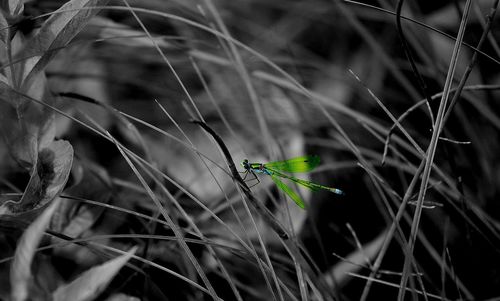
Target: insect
{"points": [[276, 170]]}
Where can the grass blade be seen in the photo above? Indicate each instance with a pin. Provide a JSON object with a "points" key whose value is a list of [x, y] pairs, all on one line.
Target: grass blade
{"points": [[431, 152]]}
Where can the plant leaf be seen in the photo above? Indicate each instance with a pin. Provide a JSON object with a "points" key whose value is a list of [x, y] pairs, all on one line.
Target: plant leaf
{"points": [[55, 34], [92, 282], [20, 271], [48, 178], [27, 127]]}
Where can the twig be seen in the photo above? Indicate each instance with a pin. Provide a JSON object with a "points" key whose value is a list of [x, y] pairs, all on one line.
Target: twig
{"points": [[264, 212]]}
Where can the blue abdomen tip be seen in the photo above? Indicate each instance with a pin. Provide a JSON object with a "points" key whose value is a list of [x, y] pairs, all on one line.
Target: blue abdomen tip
{"points": [[338, 191]]}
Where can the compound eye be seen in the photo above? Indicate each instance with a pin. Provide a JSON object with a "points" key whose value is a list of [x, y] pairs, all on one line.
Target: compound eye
{"points": [[244, 163]]}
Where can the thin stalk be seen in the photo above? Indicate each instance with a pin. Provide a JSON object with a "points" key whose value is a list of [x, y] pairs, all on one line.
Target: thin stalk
{"points": [[431, 153]]}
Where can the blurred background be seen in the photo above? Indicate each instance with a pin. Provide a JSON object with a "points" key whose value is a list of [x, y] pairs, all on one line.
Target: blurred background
{"points": [[276, 80]]}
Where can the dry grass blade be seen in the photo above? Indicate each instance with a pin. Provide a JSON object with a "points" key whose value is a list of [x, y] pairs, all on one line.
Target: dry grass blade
{"points": [[431, 152], [20, 271]]}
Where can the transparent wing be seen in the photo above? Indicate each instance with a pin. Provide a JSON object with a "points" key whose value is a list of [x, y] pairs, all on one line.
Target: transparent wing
{"points": [[298, 164], [294, 196]]}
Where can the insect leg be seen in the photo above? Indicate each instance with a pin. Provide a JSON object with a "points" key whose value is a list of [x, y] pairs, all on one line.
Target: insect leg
{"points": [[254, 178]]}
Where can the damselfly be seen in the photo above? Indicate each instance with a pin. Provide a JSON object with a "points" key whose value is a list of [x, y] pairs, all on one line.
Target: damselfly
{"points": [[276, 170]]}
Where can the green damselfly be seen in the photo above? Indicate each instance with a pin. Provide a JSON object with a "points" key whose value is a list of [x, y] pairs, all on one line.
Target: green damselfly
{"points": [[276, 170]]}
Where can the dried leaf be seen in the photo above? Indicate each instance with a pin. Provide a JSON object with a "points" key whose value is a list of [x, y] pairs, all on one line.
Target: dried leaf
{"points": [[55, 34], [27, 127], [20, 272], [48, 177], [91, 283]]}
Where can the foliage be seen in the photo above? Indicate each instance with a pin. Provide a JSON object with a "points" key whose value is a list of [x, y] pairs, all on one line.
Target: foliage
{"points": [[100, 155]]}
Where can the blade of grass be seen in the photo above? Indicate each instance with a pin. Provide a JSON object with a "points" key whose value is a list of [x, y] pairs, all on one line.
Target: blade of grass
{"points": [[431, 152]]}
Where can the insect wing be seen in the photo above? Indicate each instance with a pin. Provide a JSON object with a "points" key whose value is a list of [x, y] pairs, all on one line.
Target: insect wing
{"points": [[294, 196], [298, 164]]}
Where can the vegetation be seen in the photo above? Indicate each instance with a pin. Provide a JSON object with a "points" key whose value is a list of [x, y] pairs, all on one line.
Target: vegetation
{"points": [[124, 123]]}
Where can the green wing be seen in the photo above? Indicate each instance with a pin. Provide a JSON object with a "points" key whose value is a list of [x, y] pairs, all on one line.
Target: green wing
{"points": [[294, 196], [299, 164]]}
